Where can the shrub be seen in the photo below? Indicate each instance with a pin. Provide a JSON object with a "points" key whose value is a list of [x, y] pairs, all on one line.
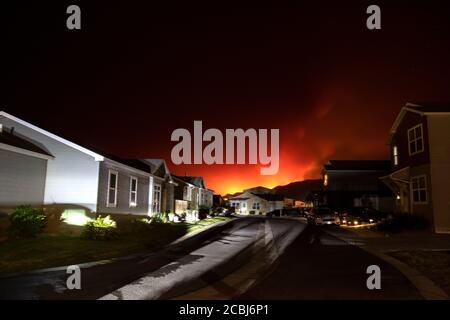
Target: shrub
{"points": [[100, 229], [27, 222], [403, 221], [159, 218], [203, 212], [251, 212]]}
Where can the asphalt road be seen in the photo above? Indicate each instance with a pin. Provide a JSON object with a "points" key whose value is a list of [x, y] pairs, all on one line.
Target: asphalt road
{"points": [[320, 266], [276, 258]]}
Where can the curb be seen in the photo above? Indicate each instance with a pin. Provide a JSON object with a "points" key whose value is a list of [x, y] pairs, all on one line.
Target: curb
{"points": [[427, 288]]}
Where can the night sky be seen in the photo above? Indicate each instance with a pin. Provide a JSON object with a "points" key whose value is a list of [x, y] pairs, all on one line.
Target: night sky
{"points": [[136, 72]]}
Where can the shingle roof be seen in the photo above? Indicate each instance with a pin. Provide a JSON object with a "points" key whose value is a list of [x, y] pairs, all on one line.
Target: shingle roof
{"points": [[376, 165]]}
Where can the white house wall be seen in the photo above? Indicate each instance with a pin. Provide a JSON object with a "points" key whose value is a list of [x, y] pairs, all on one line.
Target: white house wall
{"points": [[72, 176]]}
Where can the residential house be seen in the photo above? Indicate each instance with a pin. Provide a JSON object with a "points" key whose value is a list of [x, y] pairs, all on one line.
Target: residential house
{"points": [[164, 186], [251, 203], [355, 183], [419, 141], [39, 167], [191, 193]]}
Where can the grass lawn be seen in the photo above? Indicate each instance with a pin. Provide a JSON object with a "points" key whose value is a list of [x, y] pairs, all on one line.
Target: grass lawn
{"points": [[59, 250], [435, 265]]}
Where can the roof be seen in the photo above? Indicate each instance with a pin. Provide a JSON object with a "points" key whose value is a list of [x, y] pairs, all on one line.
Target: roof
{"points": [[196, 181], [98, 155], [158, 167], [423, 109], [429, 108], [17, 142], [363, 165], [264, 196]]}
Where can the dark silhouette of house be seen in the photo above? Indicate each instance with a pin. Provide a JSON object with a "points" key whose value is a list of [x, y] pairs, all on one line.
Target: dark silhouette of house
{"points": [[356, 183]]}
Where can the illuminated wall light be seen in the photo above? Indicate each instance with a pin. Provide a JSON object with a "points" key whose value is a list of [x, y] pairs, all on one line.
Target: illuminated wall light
{"points": [[325, 180], [398, 197], [75, 217]]}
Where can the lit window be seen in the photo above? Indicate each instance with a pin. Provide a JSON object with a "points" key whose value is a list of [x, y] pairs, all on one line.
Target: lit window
{"points": [[133, 191], [395, 155], [325, 180], [419, 189], [415, 139], [112, 188]]}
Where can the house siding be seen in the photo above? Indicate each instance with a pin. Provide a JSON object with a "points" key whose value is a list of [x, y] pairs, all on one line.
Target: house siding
{"points": [[71, 177], [426, 209], [400, 139], [439, 140], [123, 191], [22, 179]]}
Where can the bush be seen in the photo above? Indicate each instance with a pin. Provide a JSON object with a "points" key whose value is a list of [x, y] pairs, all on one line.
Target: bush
{"points": [[27, 222], [159, 218], [251, 212], [100, 229], [203, 212], [403, 221]]}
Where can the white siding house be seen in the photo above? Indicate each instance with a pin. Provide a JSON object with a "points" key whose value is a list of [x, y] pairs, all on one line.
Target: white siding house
{"points": [[38, 167], [250, 203]]}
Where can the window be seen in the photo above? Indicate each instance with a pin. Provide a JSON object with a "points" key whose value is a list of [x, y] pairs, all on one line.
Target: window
{"points": [[133, 191], [187, 193], [113, 178], [395, 155], [156, 198], [325, 180], [256, 206], [419, 189], [415, 139]]}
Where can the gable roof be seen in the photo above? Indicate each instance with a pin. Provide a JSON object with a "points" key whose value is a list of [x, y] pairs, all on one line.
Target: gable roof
{"points": [[363, 165], [265, 196], [423, 109], [16, 143], [96, 156], [143, 166]]}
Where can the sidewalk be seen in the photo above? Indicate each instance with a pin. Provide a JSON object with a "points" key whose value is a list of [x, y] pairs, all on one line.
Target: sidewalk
{"points": [[385, 245]]}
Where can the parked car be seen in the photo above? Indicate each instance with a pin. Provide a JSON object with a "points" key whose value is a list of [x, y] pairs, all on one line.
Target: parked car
{"points": [[323, 216], [361, 215]]}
